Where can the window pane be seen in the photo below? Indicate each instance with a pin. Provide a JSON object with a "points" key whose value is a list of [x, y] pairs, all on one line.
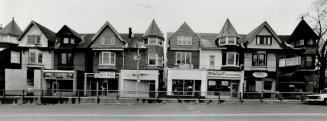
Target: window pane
{"points": [[113, 58], [112, 40], [222, 40], [40, 58], [183, 58], [189, 40], [230, 58], [179, 40], [31, 39], [63, 58], [237, 59], [255, 59], [224, 59], [302, 42], [105, 58], [262, 59], [188, 58], [178, 57], [66, 40], [212, 60], [310, 42], [152, 41], [309, 60], [231, 40], [70, 58], [159, 59], [72, 40], [32, 57], [15, 57], [152, 59]]}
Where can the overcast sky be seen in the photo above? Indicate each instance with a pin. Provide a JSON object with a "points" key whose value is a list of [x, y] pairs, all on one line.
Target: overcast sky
{"points": [[87, 16]]}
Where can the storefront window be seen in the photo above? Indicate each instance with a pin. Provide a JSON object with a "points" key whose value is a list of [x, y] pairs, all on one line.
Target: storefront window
{"points": [[267, 85], [183, 87]]}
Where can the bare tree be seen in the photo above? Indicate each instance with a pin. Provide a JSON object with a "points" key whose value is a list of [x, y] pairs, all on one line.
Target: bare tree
{"points": [[318, 18]]}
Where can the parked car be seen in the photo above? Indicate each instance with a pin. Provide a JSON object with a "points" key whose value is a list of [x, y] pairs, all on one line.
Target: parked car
{"points": [[322, 97]]}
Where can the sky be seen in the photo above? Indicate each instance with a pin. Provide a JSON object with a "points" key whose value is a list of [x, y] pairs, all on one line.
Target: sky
{"points": [[203, 16]]}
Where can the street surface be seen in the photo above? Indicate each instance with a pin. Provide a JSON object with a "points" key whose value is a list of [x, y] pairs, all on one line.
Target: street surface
{"points": [[164, 112]]}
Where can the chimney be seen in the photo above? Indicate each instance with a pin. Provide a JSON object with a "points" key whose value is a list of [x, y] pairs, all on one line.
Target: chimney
{"points": [[130, 33]]}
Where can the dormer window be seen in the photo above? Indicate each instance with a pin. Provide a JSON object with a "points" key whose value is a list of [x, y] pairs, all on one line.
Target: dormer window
{"points": [[153, 41], [184, 40], [310, 42], [33, 39], [264, 40], [227, 41], [68, 41], [107, 40]]}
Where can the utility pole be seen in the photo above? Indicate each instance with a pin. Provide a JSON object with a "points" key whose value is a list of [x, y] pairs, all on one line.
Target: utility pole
{"points": [[137, 72]]}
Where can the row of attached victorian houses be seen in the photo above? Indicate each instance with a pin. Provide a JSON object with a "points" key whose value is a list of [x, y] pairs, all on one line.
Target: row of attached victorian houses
{"points": [[196, 64]]}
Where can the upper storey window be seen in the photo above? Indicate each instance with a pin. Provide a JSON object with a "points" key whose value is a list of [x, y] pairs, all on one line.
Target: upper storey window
{"points": [[68, 41], [227, 41], [264, 40], [303, 42], [107, 40], [184, 40], [153, 41], [34, 39]]}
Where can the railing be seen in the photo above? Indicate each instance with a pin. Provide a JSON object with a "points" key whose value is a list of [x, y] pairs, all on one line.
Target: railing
{"points": [[55, 96]]}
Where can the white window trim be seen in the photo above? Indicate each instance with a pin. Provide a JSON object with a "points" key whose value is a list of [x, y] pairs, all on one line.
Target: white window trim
{"points": [[186, 53], [15, 60], [101, 55], [36, 56], [111, 39], [182, 39], [226, 41], [156, 62], [266, 58], [234, 63]]}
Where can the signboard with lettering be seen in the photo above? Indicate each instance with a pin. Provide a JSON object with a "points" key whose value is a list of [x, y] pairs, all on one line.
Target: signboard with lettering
{"points": [[58, 74], [260, 74], [224, 74], [105, 74], [294, 61]]}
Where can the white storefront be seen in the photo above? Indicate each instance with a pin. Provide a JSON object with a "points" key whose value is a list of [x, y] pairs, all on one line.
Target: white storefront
{"points": [[141, 83], [186, 82]]}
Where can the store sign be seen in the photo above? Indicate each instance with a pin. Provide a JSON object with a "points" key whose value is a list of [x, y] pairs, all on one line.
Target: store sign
{"points": [[224, 74], [294, 61], [57, 74], [211, 83], [105, 75], [260, 74]]}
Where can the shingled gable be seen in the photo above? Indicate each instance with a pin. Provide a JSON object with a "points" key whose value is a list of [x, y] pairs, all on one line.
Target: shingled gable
{"points": [[254, 32], [302, 31], [74, 33], [107, 24], [50, 35], [11, 29], [184, 27], [228, 30], [153, 30]]}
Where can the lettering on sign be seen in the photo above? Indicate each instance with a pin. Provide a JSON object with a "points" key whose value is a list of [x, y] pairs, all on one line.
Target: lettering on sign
{"points": [[294, 61], [224, 74], [61, 75], [260, 74], [105, 75]]}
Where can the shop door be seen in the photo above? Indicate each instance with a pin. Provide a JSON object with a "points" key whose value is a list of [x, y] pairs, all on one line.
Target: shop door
{"points": [[55, 88], [152, 89], [102, 88], [197, 87], [234, 89]]}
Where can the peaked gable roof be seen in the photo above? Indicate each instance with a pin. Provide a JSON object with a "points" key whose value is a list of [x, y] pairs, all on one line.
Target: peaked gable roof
{"points": [[302, 31], [74, 33], [185, 27], [107, 24], [228, 30], [11, 29], [50, 35], [153, 30], [256, 31]]}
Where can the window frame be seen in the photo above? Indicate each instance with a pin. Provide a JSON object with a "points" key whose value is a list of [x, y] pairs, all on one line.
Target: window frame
{"points": [[264, 40], [69, 61], [256, 62], [111, 40], [156, 59], [236, 58], [112, 56], [184, 40], [36, 41], [38, 57], [185, 55]]}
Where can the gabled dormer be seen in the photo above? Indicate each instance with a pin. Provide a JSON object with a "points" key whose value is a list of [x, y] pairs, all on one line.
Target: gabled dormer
{"points": [[303, 36], [227, 35], [67, 36], [107, 38], [262, 37], [184, 39], [153, 35], [10, 33], [36, 35]]}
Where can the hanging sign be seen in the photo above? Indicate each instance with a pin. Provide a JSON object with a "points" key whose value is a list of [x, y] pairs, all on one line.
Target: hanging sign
{"points": [[105, 74], [260, 74], [58, 74], [224, 74]]}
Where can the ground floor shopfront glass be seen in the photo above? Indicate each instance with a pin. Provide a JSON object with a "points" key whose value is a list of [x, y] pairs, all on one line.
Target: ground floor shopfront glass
{"points": [[186, 87], [59, 87], [144, 88], [104, 87], [228, 88]]}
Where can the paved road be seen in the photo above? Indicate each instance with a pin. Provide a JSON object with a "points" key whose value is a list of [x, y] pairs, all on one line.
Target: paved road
{"points": [[164, 112]]}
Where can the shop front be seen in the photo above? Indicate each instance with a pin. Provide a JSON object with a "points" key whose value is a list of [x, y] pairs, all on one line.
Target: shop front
{"points": [[59, 82], [139, 83], [186, 83], [260, 81], [102, 83], [224, 83]]}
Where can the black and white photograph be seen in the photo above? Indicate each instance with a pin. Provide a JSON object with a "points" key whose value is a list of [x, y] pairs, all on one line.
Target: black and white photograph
{"points": [[163, 60]]}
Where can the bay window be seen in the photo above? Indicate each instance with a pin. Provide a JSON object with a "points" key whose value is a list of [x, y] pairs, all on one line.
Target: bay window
{"points": [[107, 58], [154, 59], [230, 58], [153, 41], [227, 40], [183, 57]]}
